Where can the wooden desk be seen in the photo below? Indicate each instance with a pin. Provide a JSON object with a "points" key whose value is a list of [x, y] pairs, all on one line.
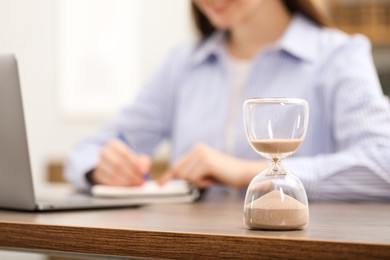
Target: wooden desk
{"points": [[212, 228]]}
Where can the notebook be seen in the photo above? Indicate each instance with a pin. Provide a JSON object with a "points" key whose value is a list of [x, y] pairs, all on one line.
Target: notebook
{"points": [[150, 189], [16, 184]]}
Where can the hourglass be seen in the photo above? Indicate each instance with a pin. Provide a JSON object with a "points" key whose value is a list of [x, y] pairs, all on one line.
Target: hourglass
{"points": [[276, 199]]}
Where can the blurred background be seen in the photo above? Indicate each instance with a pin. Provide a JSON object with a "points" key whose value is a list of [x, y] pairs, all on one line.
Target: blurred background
{"points": [[81, 60]]}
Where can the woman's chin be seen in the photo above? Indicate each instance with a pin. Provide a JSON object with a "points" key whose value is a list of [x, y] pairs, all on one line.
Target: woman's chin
{"points": [[222, 25]]}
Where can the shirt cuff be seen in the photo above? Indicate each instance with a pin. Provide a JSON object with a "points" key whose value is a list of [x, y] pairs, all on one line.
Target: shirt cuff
{"points": [[89, 178]]}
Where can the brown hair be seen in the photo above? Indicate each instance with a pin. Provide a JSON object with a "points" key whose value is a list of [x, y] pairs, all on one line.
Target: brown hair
{"points": [[305, 7]]}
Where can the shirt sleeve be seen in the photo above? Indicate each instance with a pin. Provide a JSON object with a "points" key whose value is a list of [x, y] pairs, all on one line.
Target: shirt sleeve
{"points": [[360, 166], [146, 121]]}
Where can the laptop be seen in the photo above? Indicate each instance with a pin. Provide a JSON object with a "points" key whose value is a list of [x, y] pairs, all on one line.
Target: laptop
{"points": [[16, 182]]}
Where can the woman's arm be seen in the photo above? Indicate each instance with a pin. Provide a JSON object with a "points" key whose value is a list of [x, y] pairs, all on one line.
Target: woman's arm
{"points": [[360, 167]]}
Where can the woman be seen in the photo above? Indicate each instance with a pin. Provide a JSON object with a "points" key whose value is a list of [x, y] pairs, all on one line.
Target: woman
{"points": [[252, 48]]}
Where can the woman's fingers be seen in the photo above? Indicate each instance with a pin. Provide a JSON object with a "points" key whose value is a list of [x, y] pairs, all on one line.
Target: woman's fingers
{"points": [[120, 166], [175, 171], [128, 158], [144, 163], [192, 167], [166, 176]]}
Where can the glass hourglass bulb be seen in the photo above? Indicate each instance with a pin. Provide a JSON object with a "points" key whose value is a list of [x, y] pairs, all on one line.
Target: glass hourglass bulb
{"points": [[275, 198]]}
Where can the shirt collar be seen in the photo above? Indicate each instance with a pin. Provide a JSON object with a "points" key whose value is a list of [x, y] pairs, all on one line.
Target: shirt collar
{"points": [[299, 39], [212, 46]]}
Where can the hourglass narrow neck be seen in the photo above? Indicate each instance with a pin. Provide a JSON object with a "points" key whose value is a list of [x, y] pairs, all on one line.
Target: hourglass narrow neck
{"points": [[276, 167]]}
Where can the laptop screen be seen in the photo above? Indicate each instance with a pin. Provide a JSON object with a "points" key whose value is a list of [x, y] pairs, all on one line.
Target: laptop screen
{"points": [[16, 188]]}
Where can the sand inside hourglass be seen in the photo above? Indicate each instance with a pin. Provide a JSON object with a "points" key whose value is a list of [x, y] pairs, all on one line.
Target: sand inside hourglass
{"points": [[276, 210], [274, 146], [277, 148]]}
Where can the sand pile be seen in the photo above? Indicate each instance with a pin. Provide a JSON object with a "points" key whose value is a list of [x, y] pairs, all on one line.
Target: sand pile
{"points": [[276, 210]]}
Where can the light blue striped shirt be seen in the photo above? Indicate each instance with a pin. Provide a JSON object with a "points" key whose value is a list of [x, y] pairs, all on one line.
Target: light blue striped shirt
{"points": [[346, 153]]}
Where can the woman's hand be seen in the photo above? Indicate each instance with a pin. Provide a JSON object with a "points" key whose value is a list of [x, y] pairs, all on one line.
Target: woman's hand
{"points": [[120, 166], [204, 166]]}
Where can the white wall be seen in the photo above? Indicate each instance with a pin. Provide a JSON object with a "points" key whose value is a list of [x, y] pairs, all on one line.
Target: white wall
{"points": [[29, 29], [166, 24]]}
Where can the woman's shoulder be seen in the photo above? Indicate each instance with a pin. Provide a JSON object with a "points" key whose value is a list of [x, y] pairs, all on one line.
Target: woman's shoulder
{"points": [[308, 41], [334, 43], [346, 57]]}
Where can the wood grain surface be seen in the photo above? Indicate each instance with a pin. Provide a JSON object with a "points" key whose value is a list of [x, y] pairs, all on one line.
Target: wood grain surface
{"points": [[212, 228]]}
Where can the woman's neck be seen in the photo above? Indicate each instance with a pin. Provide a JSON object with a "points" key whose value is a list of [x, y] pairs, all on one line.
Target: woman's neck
{"points": [[262, 28]]}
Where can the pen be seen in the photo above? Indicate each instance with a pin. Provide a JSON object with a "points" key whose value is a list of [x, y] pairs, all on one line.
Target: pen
{"points": [[121, 136]]}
